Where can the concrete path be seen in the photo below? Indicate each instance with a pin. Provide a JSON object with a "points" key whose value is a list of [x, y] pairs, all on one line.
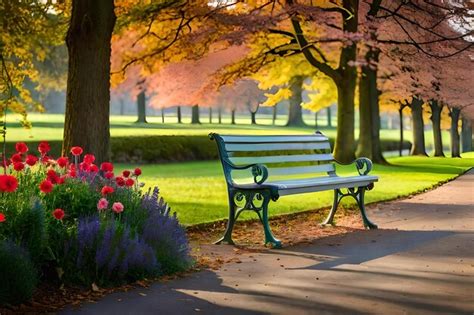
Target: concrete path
{"points": [[420, 261]]}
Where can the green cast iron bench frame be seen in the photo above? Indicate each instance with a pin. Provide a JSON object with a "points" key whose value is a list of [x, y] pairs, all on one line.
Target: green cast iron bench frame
{"points": [[257, 195]]}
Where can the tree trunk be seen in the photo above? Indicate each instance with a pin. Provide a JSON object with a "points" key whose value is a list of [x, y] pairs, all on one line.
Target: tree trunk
{"points": [[141, 107], [178, 114], [344, 145], [364, 145], [210, 115], [122, 107], [418, 146], [455, 145], [253, 119], [436, 109], [274, 114], [466, 134], [400, 114], [316, 119], [88, 84], [295, 112], [162, 115], [195, 115], [219, 115], [232, 116], [329, 116]]}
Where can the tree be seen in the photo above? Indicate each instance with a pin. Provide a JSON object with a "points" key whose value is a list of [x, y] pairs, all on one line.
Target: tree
{"points": [[454, 113], [436, 109], [418, 146], [26, 41], [295, 112], [195, 114], [466, 134], [89, 46], [141, 107]]}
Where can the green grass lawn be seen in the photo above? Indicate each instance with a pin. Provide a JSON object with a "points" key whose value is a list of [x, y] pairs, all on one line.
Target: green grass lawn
{"points": [[197, 192], [50, 127]]}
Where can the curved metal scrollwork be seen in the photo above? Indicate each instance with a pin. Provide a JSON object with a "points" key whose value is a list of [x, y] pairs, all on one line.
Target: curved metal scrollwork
{"points": [[259, 170], [364, 165], [249, 200]]}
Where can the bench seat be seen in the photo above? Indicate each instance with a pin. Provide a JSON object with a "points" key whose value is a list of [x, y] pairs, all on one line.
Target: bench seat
{"points": [[307, 185]]}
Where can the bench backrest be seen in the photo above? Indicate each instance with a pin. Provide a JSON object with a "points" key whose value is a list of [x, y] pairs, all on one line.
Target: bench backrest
{"points": [[283, 155]]}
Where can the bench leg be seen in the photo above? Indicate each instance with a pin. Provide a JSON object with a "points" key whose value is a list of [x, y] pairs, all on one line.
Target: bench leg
{"points": [[360, 201], [269, 238], [335, 203], [227, 238]]}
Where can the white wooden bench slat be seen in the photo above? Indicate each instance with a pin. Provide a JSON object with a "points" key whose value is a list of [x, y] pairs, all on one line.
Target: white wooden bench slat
{"points": [[329, 167], [244, 147], [273, 139], [281, 158]]}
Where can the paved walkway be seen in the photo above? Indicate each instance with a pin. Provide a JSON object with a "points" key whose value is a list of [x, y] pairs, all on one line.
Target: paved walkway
{"points": [[420, 261]]}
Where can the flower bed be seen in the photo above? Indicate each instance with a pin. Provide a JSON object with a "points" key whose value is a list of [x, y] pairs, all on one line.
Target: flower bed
{"points": [[75, 222]]}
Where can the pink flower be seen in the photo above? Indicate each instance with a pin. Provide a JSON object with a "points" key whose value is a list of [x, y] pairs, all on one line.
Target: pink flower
{"points": [[117, 207], [102, 204]]}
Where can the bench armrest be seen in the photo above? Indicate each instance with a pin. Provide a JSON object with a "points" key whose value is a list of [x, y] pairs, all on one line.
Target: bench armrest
{"points": [[363, 165], [258, 170]]}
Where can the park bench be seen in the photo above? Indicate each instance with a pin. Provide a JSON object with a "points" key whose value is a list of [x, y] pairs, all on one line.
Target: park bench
{"points": [[281, 166]]}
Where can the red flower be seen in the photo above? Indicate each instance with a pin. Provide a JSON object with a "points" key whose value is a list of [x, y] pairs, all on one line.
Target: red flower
{"points": [[94, 168], [126, 173], [2, 217], [107, 167], [109, 175], [52, 176], [46, 186], [120, 181], [21, 147], [44, 147], [45, 159], [106, 190], [31, 160], [129, 182], [76, 151], [58, 214], [89, 158], [18, 166], [84, 167], [16, 158], [8, 183], [62, 161], [137, 172], [72, 173], [61, 179]]}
